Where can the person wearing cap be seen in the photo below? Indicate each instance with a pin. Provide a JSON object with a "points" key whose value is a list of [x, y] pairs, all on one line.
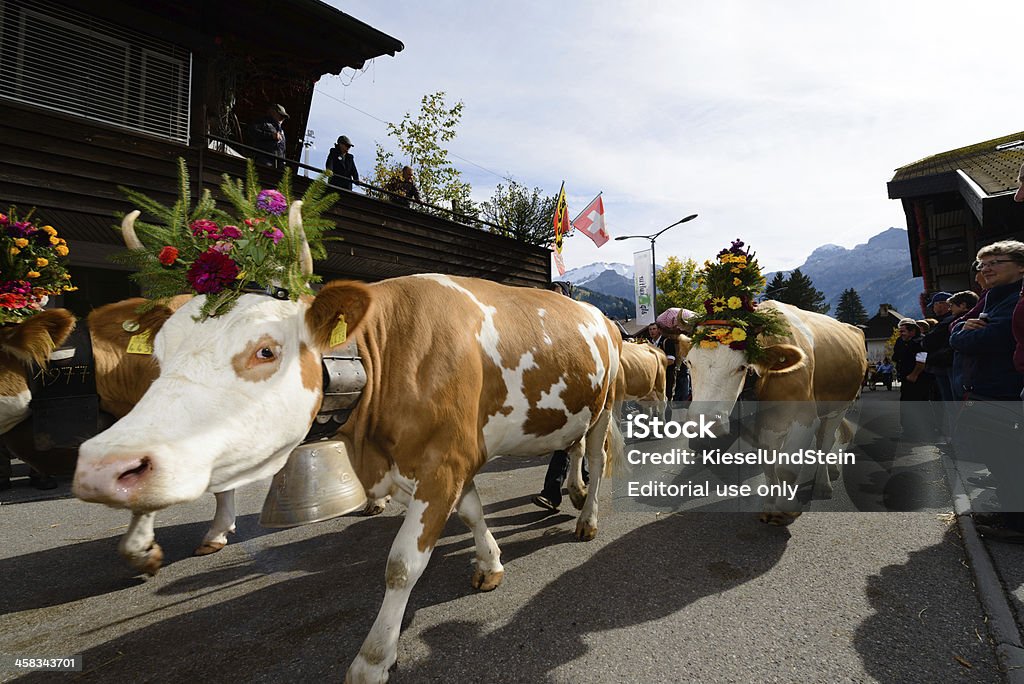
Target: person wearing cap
{"points": [[268, 137], [342, 164], [940, 354]]}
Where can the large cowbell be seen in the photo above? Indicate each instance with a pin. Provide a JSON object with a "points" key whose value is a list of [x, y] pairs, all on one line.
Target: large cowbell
{"points": [[317, 483]]}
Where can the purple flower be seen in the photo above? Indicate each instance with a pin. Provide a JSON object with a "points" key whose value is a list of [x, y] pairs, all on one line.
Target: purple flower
{"points": [[230, 232], [211, 272], [274, 234], [21, 287], [272, 202], [22, 229], [222, 246]]}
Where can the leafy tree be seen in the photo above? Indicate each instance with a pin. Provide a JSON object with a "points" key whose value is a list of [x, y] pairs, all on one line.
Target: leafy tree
{"points": [[678, 285], [521, 213], [422, 142], [776, 286], [851, 308], [800, 292]]}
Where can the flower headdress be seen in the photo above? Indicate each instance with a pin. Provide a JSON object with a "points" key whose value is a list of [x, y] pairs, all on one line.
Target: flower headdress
{"points": [[31, 266], [205, 250], [730, 317]]}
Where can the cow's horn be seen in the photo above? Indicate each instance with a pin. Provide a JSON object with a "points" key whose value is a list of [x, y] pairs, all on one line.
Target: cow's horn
{"points": [[128, 231], [295, 225]]}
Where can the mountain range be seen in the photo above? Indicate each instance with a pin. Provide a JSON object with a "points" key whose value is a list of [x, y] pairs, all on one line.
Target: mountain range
{"points": [[879, 270]]}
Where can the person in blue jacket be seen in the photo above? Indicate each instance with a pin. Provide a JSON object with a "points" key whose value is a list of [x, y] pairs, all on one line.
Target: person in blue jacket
{"points": [[983, 370]]}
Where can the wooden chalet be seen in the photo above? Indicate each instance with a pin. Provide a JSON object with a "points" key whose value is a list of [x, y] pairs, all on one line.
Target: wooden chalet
{"points": [[956, 202], [98, 95], [878, 330]]}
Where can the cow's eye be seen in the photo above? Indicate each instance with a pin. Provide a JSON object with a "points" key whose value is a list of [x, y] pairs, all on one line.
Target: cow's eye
{"points": [[266, 354]]}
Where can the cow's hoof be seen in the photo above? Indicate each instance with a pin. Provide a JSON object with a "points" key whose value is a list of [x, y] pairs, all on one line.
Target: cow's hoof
{"points": [[779, 518], [578, 497], [487, 580], [585, 531], [148, 562], [206, 548], [362, 671]]}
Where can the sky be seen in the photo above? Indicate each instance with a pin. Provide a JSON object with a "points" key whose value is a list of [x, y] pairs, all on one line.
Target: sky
{"points": [[777, 123]]}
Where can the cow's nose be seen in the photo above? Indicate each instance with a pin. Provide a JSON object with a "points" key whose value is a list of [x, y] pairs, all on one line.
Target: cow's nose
{"points": [[114, 481]]}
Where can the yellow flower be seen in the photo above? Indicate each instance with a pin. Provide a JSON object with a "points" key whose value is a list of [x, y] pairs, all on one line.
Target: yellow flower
{"points": [[15, 250], [67, 276], [737, 282], [739, 334], [49, 230], [71, 289], [54, 241], [41, 262], [32, 274], [708, 344], [735, 269], [735, 302], [61, 250], [21, 242]]}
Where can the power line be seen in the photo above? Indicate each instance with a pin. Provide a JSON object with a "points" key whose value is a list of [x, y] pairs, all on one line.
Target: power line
{"points": [[376, 118]]}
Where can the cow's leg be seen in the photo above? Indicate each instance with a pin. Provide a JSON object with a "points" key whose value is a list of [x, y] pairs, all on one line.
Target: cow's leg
{"points": [[576, 485], [487, 569], [782, 431], [586, 524], [223, 523], [138, 545], [424, 521], [376, 506]]}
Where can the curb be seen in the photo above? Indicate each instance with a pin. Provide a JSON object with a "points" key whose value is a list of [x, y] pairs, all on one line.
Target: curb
{"points": [[1001, 623]]}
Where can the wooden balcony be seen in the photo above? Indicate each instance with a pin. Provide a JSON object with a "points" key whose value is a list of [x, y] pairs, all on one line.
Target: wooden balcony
{"points": [[70, 168]]}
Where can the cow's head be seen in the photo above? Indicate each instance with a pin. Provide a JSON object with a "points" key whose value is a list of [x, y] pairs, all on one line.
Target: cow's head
{"points": [[236, 393], [21, 345], [719, 372]]}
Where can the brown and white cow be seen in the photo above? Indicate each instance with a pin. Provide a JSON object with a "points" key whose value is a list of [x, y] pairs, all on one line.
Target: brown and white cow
{"points": [[642, 371], [811, 377], [121, 379], [458, 371]]}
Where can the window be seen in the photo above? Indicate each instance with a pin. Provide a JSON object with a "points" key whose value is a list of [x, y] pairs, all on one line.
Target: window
{"points": [[54, 57]]}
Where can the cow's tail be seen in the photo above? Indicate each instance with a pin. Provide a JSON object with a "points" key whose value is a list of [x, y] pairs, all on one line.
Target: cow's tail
{"points": [[613, 446]]}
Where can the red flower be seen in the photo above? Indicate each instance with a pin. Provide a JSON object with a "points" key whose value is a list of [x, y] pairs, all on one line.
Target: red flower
{"points": [[204, 228], [168, 255], [211, 272], [10, 300]]}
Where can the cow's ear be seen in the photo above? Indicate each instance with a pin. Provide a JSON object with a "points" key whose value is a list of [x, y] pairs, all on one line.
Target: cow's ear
{"points": [[41, 333], [340, 298], [783, 358], [683, 345]]}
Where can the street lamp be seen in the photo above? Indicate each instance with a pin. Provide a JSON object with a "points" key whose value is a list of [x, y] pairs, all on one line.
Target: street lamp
{"points": [[654, 262], [307, 143]]}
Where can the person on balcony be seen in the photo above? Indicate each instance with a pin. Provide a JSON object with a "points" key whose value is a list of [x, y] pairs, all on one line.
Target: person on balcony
{"points": [[268, 137], [403, 189], [342, 164]]}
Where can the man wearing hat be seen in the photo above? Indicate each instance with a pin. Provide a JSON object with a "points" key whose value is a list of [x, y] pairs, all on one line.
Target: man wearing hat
{"points": [[341, 164], [268, 136]]}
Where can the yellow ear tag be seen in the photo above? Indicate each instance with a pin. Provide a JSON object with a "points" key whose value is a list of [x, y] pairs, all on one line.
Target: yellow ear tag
{"points": [[140, 344], [340, 332]]}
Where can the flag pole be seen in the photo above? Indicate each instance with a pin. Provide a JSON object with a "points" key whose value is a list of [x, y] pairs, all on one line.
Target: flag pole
{"points": [[571, 226]]}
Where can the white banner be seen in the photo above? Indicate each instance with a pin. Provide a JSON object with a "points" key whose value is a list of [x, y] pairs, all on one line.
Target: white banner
{"points": [[643, 287]]}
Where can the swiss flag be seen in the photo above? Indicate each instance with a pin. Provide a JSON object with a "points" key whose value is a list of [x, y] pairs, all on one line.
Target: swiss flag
{"points": [[590, 222]]}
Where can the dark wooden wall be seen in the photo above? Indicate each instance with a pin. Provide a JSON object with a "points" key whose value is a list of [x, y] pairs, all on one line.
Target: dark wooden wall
{"points": [[70, 169]]}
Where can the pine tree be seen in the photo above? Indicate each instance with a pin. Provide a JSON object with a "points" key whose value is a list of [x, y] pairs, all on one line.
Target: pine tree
{"points": [[800, 292], [775, 287], [851, 308]]}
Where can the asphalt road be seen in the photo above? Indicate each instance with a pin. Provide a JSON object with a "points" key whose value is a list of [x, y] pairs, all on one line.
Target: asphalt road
{"points": [[694, 596]]}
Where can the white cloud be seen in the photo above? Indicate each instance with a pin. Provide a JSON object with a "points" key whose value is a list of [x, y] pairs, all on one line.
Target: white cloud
{"points": [[777, 122]]}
